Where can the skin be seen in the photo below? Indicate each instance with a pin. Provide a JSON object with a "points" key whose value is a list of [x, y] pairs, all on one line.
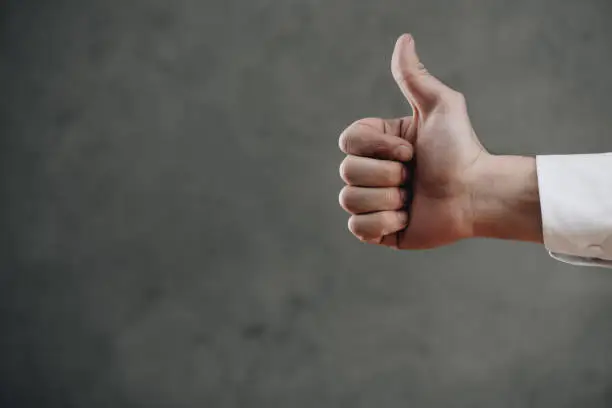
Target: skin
{"points": [[425, 181]]}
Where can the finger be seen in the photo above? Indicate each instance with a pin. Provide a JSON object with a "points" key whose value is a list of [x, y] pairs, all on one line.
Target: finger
{"points": [[367, 172], [387, 126], [360, 200], [421, 89], [374, 226], [362, 139]]}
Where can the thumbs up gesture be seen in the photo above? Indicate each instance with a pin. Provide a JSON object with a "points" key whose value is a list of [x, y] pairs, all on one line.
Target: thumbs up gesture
{"points": [[411, 181]]}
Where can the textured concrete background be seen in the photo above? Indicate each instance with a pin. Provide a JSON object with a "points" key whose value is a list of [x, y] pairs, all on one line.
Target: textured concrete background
{"points": [[169, 220]]}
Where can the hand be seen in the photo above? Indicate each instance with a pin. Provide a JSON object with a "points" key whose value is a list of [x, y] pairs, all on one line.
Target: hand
{"points": [[441, 195]]}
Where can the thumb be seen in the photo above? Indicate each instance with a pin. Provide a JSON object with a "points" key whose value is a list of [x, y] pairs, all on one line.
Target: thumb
{"points": [[422, 90]]}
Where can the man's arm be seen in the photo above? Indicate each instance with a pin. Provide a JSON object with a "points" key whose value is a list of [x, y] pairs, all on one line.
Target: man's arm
{"points": [[564, 202], [448, 187], [506, 200]]}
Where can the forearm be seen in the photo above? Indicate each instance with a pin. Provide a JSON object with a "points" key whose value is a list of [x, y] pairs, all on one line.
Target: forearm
{"points": [[505, 199]]}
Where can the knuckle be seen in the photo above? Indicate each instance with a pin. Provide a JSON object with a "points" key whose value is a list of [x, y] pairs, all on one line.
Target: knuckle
{"points": [[345, 170], [411, 75], [361, 229], [365, 122], [389, 196], [346, 198], [394, 173], [388, 219], [345, 136], [394, 197], [359, 123], [345, 141], [401, 218], [402, 197], [403, 73], [392, 220], [381, 148], [356, 138], [356, 227]]}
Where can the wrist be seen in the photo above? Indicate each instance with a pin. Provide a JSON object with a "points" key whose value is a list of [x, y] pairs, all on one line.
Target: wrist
{"points": [[505, 200]]}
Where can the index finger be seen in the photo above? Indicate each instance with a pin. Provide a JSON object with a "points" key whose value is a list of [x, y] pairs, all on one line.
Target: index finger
{"points": [[366, 141]]}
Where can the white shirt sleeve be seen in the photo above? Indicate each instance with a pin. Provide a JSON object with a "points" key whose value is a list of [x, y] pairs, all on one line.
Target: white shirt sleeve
{"points": [[576, 201]]}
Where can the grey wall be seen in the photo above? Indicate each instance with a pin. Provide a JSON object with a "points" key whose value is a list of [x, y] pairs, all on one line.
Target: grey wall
{"points": [[169, 220]]}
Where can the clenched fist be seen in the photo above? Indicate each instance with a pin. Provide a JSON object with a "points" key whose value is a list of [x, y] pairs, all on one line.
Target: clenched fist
{"points": [[425, 181]]}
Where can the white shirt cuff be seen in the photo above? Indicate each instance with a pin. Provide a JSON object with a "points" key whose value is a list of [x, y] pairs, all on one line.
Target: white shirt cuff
{"points": [[576, 201]]}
